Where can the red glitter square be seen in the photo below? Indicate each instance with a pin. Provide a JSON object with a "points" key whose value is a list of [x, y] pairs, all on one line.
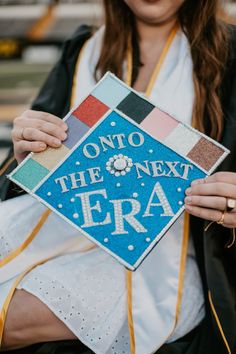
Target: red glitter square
{"points": [[90, 110]]}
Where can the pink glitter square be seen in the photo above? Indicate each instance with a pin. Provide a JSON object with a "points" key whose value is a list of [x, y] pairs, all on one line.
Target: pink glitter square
{"points": [[159, 124]]}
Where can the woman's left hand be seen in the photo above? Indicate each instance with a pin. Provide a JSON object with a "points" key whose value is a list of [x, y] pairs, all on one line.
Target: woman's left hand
{"points": [[207, 198]]}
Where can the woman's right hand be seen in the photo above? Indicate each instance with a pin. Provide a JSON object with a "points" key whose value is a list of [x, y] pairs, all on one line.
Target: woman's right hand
{"points": [[33, 131]]}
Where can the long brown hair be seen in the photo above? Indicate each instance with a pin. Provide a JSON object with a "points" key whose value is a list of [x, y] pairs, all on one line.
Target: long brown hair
{"points": [[209, 42]]}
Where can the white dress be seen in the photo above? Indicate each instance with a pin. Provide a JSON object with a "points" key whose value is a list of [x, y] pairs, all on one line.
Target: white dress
{"points": [[87, 290]]}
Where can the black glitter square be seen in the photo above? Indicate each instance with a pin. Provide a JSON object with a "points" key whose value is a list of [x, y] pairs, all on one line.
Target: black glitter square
{"points": [[135, 107]]}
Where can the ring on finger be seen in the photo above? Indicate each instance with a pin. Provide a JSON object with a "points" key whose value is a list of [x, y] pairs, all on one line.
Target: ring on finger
{"points": [[221, 220], [230, 204]]}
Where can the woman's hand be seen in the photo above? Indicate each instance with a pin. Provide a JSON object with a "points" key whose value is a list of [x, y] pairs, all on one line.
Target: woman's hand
{"points": [[207, 198], [34, 131]]}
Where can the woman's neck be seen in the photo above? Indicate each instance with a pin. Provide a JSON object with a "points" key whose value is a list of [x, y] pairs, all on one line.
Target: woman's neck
{"points": [[152, 38]]}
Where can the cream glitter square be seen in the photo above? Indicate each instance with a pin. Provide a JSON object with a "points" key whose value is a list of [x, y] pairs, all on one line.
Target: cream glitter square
{"points": [[50, 157], [182, 139]]}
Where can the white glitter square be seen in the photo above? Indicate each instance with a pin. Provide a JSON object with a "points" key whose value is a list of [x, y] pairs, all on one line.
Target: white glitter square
{"points": [[182, 139]]}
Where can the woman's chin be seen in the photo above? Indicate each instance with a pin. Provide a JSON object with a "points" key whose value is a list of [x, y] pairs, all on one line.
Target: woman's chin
{"points": [[154, 12], [152, 20], [151, 1]]}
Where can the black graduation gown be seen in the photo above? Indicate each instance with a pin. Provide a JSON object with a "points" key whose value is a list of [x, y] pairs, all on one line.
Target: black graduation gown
{"points": [[217, 264]]}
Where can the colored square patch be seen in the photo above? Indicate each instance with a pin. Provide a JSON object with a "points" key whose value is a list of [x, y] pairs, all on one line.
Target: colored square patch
{"points": [[76, 129], [51, 157], [159, 124], [90, 110], [182, 139], [29, 174], [135, 107], [205, 154], [110, 91]]}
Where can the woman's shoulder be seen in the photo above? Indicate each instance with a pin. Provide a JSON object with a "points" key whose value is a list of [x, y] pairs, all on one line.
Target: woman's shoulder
{"points": [[76, 40], [81, 32]]}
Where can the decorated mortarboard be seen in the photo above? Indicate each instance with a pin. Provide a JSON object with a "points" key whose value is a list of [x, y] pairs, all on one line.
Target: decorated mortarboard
{"points": [[120, 176]]}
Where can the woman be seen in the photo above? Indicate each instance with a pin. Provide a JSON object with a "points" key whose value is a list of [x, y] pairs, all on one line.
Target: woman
{"points": [[183, 57]]}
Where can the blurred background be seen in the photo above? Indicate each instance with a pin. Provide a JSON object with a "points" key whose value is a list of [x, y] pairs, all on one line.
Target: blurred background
{"points": [[31, 35]]}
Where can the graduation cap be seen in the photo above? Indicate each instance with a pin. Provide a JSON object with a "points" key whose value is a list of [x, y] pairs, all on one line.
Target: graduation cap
{"points": [[120, 176]]}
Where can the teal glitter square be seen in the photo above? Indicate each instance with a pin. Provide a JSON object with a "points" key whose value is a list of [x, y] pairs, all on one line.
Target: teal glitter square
{"points": [[30, 174]]}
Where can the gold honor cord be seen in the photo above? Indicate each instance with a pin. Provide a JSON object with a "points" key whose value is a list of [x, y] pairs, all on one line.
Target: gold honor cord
{"points": [[129, 287], [218, 323], [184, 250], [161, 61], [147, 94], [28, 240], [6, 165]]}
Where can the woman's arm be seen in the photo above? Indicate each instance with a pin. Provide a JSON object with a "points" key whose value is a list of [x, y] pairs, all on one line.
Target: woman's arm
{"points": [[30, 321]]}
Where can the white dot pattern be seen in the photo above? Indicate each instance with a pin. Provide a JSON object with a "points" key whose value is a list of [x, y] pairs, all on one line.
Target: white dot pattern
{"points": [[92, 304], [5, 247]]}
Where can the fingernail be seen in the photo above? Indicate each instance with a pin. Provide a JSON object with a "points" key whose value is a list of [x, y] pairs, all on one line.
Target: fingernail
{"points": [[188, 191], [56, 142], [42, 146], [65, 126], [188, 207], [188, 200], [63, 136], [197, 181]]}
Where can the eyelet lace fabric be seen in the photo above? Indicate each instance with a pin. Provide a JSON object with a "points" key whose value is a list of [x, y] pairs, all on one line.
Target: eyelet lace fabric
{"points": [[87, 290], [17, 217], [5, 246], [92, 303]]}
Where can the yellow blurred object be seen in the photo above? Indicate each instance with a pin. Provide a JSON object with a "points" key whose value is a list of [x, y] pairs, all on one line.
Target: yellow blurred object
{"points": [[9, 48], [9, 112], [42, 25]]}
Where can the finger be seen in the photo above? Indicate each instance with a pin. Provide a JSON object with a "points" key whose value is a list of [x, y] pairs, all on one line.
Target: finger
{"points": [[204, 213], [226, 177], [53, 130], [229, 226], [207, 202], [230, 219], [47, 127], [214, 189], [32, 134], [212, 215], [16, 134], [23, 146], [30, 114]]}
